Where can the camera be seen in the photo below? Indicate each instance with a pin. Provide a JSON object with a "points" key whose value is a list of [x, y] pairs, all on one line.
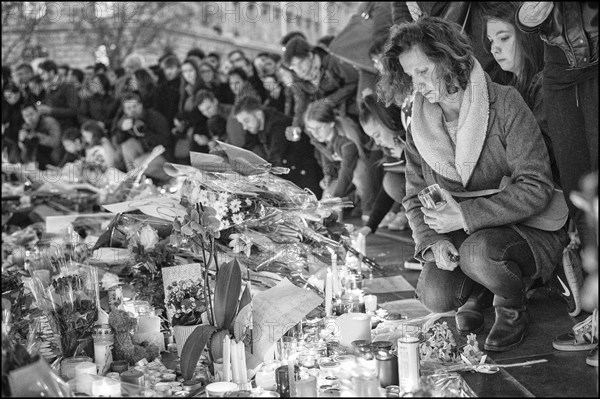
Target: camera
{"points": [[139, 128]]}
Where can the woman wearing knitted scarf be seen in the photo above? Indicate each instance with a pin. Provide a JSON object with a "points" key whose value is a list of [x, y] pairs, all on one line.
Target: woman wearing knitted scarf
{"points": [[467, 135]]}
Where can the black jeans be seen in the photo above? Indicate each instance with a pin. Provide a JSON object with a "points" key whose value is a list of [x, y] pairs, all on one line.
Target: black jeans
{"points": [[572, 115], [497, 258]]}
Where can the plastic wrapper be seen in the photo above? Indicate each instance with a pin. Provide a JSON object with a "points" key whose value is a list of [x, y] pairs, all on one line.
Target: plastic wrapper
{"points": [[125, 225], [71, 305], [37, 379], [448, 385]]}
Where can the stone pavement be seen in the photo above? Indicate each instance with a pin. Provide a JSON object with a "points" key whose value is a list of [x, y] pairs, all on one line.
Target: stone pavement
{"points": [[565, 373]]}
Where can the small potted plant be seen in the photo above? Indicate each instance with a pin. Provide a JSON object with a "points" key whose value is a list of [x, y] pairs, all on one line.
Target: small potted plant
{"points": [[185, 299]]}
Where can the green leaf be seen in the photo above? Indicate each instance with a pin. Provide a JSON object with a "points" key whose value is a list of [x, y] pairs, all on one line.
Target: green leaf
{"points": [[195, 216], [244, 315], [227, 292], [192, 349]]}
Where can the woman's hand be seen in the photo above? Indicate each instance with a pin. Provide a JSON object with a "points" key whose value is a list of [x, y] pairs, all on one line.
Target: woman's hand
{"points": [[201, 139], [446, 218], [127, 124], [444, 251]]}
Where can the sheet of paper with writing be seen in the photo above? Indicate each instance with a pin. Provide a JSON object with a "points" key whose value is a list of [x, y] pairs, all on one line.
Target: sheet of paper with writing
{"points": [[167, 207], [276, 310]]}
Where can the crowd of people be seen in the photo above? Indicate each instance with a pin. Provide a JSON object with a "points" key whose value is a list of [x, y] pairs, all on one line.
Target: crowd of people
{"points": [[474, 97]]}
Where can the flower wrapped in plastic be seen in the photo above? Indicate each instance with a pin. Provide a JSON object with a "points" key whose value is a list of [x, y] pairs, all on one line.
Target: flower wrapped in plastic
{"points": [[439, 344], [71, 306]]}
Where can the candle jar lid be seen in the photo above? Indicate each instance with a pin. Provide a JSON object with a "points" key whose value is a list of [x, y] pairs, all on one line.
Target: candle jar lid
{"points": [[385, 345], [132, 376], [361, 343], [238, 394], [329, 364], [191, 385], [119, 366]]}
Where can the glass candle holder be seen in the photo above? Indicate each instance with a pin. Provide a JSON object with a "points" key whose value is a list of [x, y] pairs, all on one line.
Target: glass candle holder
{"points": [[306, 387], [431, 197]]}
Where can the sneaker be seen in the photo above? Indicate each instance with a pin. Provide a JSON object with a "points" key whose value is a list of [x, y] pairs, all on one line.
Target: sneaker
{"points": [[400, 222], [592, 358], [568, 280], [583, 337], [387, 220]]}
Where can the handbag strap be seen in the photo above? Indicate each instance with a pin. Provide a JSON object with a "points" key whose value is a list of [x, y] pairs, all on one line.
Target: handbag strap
{"points": [[466, 18]]}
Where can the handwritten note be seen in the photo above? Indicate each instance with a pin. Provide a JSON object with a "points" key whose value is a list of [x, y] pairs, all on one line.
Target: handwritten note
{"points": [[167, 208], [276, 310]]}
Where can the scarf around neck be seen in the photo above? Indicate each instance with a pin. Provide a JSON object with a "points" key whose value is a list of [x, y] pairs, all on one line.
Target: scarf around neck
{"points": [[434, 144]]}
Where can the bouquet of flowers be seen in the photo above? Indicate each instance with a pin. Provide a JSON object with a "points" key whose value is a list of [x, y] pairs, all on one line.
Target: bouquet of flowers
{"points": [[71, 305], [149, 250], [186, 299], [439, 344]]}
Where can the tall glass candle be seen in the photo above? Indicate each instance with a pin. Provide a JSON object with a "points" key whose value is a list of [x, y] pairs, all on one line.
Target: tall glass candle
{"points": [[328, 293], [306, 387], [408, 363]]}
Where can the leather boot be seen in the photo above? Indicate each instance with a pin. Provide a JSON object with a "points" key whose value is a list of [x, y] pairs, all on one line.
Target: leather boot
{"points": [[509, 328], [469, 317]]}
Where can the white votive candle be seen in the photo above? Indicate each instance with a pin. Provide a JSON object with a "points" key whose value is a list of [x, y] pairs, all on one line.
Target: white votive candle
{"points": [[370, 303], [353, 327], [106, 387], [82, 372]]}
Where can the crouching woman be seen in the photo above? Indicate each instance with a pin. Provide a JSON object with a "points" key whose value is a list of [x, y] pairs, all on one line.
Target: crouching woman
{"points": [[482, 145]]}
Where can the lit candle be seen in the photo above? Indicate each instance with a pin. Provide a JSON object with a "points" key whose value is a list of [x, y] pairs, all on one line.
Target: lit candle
{"points": [[370, 303], [265, 377], [353, 327], [226, 359], [84, 381], [336, 277], [106, 387], [328, 293]]}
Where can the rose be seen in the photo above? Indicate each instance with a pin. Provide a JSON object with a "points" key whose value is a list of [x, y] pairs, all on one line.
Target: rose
{"points": [[148, 237]]}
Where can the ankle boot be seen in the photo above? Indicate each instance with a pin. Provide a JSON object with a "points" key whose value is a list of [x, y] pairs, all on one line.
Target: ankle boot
{"points": [[508, 330], [469, 317]]}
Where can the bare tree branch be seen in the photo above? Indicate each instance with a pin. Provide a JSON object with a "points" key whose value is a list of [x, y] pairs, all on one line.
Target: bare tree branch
{"points": [[15, 10]]}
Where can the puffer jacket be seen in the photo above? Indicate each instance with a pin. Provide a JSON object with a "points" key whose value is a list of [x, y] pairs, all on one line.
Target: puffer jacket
{"points": [[573, 27]]}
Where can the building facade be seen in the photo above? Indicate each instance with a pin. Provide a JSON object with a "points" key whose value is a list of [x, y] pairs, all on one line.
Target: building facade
{"points": [[211, 26]]}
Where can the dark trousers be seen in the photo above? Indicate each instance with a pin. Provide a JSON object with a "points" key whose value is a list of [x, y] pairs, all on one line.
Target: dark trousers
{"points": [[573, 128], [497, 258]]}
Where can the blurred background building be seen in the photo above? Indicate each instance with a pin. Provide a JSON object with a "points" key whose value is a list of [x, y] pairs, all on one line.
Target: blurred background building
{"points": [[82, 33]]}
